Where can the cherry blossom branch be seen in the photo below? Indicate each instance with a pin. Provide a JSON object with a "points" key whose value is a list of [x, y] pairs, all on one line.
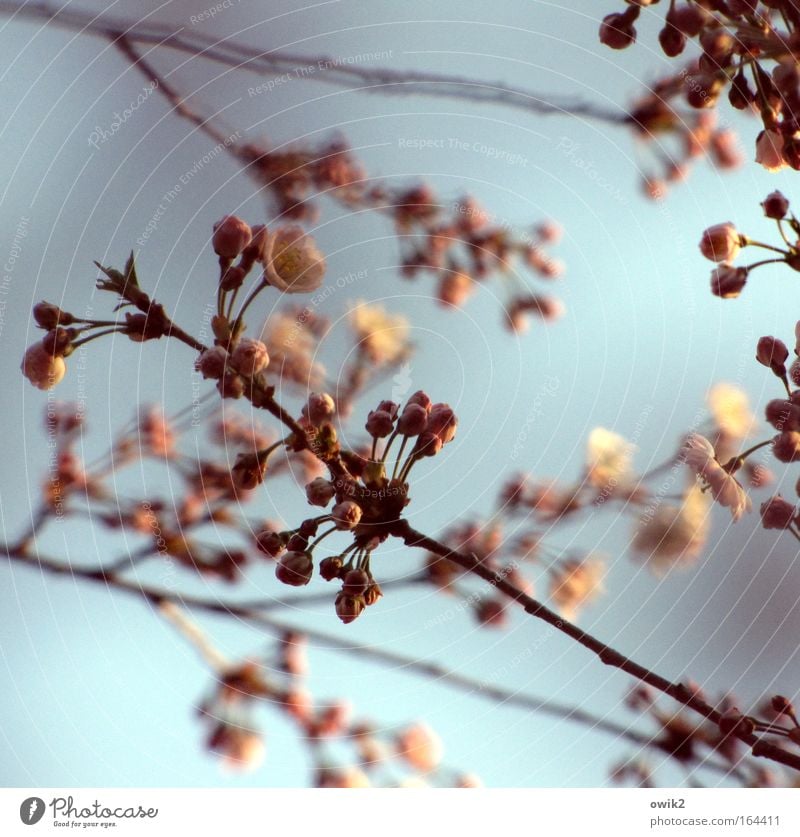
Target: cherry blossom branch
{"points": [[361, 79], [609, 656]]}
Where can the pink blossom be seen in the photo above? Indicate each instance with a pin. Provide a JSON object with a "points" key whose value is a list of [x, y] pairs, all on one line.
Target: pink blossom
{"points": [[295, 265]]}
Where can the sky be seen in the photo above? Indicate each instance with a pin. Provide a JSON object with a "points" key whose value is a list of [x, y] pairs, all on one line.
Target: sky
{"points": [[99, 692]]}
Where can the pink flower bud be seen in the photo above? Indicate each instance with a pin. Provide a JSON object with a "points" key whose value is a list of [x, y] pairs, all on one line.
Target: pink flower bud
{"points": [[419, 397], [721, 243], [775, 205], [783, 414], [413, 420], [320, 492], [428, 444], [349, 608], [295, 569], [786, 447], [43, 368], [231, 236], [773, 353], [50, 316], [346, 514], [617, 31], [372, 594], [319, 408], [211, 363], [356, 583], [379, 424], [330, 567], [389, 407], [250, 356], [777, 513], [728, 281]]}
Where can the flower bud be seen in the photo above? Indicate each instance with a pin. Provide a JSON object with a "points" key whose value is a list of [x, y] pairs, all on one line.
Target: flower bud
{"points": [[50, 316], [231, 385], [782, 705], [373, 594], [349, 608], [428, 444], [211, 363], [775, 205], [786, 446], [442, 422], [728, 281], [617, 30], [770, 147], [355, 583], [250, 356], [379, 424], [777, 513], [419, 397], [319, 408], [271, 543], [294, 569], [782, 414], [413, 420], [733, 722], [773, 353], [721, 243], [319, 492], [330, 567], [672, 41], [249, 471], [297, 542], [43, 368], [231, 236], [346, 514]]}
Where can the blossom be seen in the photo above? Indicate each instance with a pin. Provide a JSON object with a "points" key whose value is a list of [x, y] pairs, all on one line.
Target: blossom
{"points": [[43, 368], [674, 534], [295, 265], [730, 411], [608, 457], [574, 584], [769, 150], [699, 455], [346, 514], [382, 336], [721, 243]]}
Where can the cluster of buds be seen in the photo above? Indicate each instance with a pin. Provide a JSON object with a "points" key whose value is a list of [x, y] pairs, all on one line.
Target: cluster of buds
{"points": [[722, 244], [747, 48], [364, 499], [690, 135]]}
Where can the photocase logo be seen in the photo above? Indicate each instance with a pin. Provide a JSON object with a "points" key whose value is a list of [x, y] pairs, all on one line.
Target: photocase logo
{"points": [[31, 810]]}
